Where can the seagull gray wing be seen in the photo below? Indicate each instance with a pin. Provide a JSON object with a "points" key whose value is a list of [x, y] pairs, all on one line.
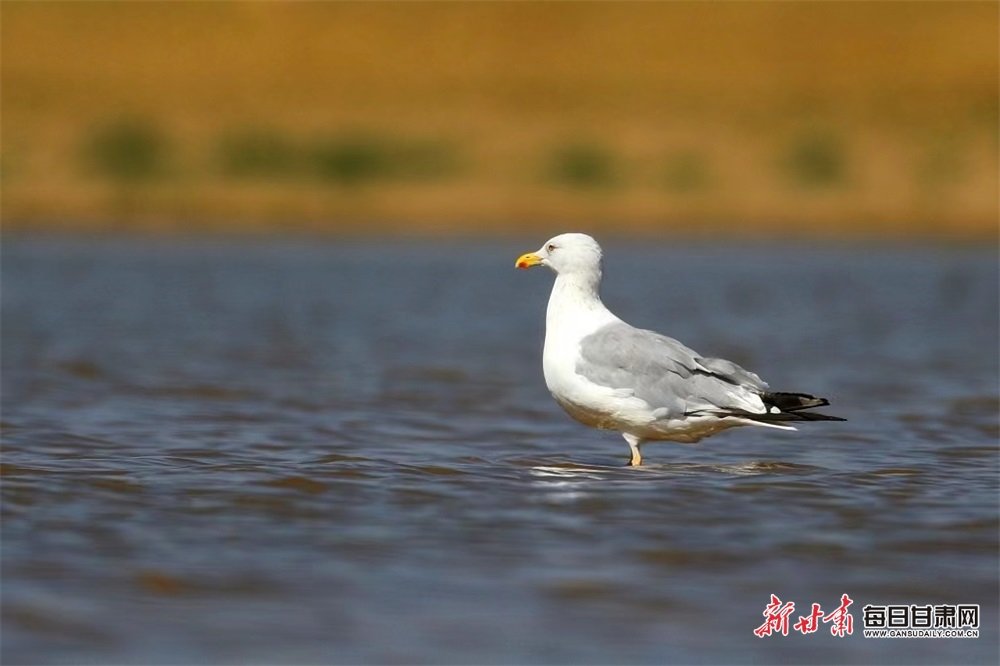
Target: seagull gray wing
{"points": [[672, 378], [733, 373]]}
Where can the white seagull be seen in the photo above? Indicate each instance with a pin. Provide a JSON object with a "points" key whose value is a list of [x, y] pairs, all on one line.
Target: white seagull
{"points": [[608, 374]]}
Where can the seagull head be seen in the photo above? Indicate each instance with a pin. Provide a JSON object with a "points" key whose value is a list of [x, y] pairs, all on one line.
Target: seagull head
{"points": [[565, 254]]}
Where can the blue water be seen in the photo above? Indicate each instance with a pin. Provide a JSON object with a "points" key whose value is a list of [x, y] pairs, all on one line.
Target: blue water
{"points": [[314, 452]]}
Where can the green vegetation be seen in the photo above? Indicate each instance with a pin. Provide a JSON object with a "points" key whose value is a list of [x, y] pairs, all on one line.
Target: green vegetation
{"points": [[359, 158], [351, 159], [816, 159], [348, 159], [127, 151], [583, 165]]}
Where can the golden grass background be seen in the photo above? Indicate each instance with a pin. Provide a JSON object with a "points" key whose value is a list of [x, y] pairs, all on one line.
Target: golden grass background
{"points": [[810, 119]]}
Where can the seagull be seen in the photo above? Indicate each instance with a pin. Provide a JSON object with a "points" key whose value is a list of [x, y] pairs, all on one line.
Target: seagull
{"points": [[609, 375]]}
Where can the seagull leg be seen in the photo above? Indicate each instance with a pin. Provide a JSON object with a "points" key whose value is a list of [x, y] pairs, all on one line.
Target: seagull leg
{"points": [[633, 444]]}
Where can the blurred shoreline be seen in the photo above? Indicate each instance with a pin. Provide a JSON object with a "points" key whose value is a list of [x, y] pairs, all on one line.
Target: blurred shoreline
{"points": [[770, 119], [516, 240], [766, 232]]}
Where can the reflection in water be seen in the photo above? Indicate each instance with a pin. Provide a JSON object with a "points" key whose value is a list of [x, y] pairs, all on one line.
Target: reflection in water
{"points": [[324, 453], [569, 471]]}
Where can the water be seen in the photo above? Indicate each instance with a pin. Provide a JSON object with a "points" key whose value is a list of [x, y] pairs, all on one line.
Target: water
{"points": [[310, 452]]}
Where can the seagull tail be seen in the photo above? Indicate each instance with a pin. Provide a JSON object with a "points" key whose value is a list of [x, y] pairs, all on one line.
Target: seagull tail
{"points": [[784, 408], [793, 402], [792, 406]]}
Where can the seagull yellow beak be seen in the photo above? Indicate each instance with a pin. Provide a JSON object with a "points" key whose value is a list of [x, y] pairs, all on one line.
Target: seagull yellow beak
{"points": [[528, 260]]}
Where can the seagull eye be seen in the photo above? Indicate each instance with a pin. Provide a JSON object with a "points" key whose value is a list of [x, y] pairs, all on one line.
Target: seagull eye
{"points": [[551, 247]]}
